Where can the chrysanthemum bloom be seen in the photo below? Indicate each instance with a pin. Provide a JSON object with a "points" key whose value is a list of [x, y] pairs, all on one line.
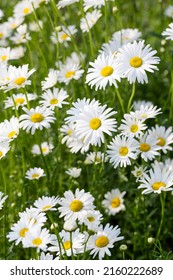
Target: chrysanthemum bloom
{"points": [[74, 172], [147, 147], [46, 148], [5, 54], [122, 150], [138, 172], [71, 243], [101, 242], [135, 59], [145, 110], [37, 238], [14, 22], [164, 137], [95, 157], [18, 77], [2, 199], [74, 206], [4, 148], [19, 99], [114, 202], [65, 35], [92, 220], [103, 71], [50, 80], [132, 126], [125, 36], [89, 20], [21, 35], [156, 181], [168, 33], [36, 118], [35, 173], [9, 129], [23, 8], [93, 122], [46, 203], [39, 218], [54, 98], [68, 72], [64, 3], [67, 131]]}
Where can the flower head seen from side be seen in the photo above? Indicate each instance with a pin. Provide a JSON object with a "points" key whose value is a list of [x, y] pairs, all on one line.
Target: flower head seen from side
{"points": [[95, 157], [125, 36], [54, 98], [168, 33], [19, 99], [147, 147], [4, 148], [64, 3], [93, 4], [36, 118], [46, 148], [113, 201], [10, 129], [122, 150], [35, 173], [2, 199], [46, 203], [103, 240], [157, 180], [75, 205], [64, 36], [145, 110], [34, 214], [89, 20], [169, 11], [92, 220], [74, 172], [103, 71], [50, 80], [135, 59]]}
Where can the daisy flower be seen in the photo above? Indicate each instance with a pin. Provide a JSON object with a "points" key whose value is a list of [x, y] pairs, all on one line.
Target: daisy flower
{"points": [[164, 137], [135, 59], [10, 129], [2, 199], [114, 202], [132, 126], [65, 35], [46, 203], [68, 72], [95, 157], [54, 98], [89, 20], [74, 172], [93, 4], [78, 145], [93, 122], [37, 238], [125, 36], [4, 148], [110, 48], [1, 14], [22, 9], [17, 52], [14, 22], [18, 77], [137, 105], [36, 118], [147, 147], [39, 218], [103, 72], [92, 220], [168, 33], [72, 243], [122, 150], [169, 11], [5, 54], [45, 147], [74, 206], [101, 242], [64, 3], [19, 99], [138, 172], [34, 173], [50, 80], [145, 111], [67, 132], [47, 257], [21, 35], [156, 181]]}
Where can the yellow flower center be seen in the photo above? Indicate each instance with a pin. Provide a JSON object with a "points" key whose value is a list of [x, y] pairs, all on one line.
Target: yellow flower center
{"points": [[161, 141], [144, 147], [26, 11], [37, 241], [95, 123], [3, 57], [1, 34], [134, 128], [64, 36], [69, 132], [20, 100], [1, 153], [76, 205], [136, 61], [69, 74], [107, 71], [102, 241], [158, 185], [91, 219], [123, 151], [35, 176], [13, 25], [115, 202], [139, 173], [67, 245], [53, 101], [11, 134], [44, 150], [37, 117], [19, 81], [23, 232], [46, 207]]}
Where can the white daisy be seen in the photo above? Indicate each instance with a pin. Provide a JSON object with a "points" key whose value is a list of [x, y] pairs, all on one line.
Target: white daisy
{"points": [[39, 218], [45, 147], [90, 19], [46, 203], [139, 171], [64, 3], [19, 99], [95, 157], [67, 132], [113, 201], [132, 126], [93, 4], [110, 48], [135, 59], [36, 118], [168, 33], [2, 199], [34, 173], [68, 72], [103, 72], [125, 36], [74, 172], [10, 129], [122, 150], [54, 98], [22, 9], [157, 180], [50, 80], [101, 242], [37, 238], [21, 35], [147, 147], [5, 54], [145, 111], [169, 11], [4, 148], [45, 256], [65, 35], [17, 52], [92, 220], [74, 206]]}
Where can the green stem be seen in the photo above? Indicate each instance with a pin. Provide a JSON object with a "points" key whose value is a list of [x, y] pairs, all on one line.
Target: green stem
{"points": [[4, 208], [131, 98], [106, 21], [120, 100]]}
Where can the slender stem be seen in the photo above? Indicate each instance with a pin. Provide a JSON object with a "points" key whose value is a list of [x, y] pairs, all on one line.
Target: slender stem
{"points": [[106, 21], [120, 100], [131, 98]]}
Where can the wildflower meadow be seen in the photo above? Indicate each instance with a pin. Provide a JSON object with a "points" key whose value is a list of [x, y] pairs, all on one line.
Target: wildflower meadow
{"points": [[86, 130]]}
